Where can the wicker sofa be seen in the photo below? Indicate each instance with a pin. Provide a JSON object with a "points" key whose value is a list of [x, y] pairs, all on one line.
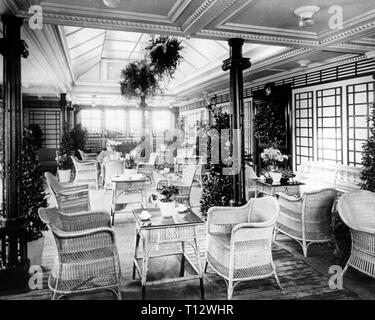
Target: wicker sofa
{"points": [[320, 175]]}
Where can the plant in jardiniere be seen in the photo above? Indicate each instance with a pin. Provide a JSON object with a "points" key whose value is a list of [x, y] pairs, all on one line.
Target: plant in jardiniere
{"points": [[166, 200], [33, 194], [64, 162]]}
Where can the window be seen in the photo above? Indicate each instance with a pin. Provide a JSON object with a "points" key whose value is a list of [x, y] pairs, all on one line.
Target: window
{"points": [[329, 125], [359, 98], [92, 120], [49, 122], [304, 127], [135, 121], [115, 121], [160, 120]]}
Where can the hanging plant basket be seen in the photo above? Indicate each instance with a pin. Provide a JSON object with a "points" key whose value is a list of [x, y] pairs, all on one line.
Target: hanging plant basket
{"points": [[139, 80], [165, 55]]}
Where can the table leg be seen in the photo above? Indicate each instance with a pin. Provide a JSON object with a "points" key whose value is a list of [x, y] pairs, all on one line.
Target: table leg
{"points": [[182, 267], [144, 268], [136, 247], [199, 267], [113, 206]]}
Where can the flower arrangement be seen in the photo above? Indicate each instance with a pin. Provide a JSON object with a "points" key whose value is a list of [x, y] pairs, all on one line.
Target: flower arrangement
{"points": [[165, 55], [168, 192], [274, 159]]}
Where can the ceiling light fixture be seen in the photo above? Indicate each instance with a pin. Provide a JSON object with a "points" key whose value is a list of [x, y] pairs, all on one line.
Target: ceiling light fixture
{"points": [[112, 3], [303, 64], [370, 55], [306, 15]]}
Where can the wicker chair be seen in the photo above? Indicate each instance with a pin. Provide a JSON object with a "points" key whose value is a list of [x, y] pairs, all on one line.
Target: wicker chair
{"points": [[86, 170], [148, 168], [68, 199], [307, 219], [87, 254], [88, 156], [239, 241], [357, 210], [183, 185]]}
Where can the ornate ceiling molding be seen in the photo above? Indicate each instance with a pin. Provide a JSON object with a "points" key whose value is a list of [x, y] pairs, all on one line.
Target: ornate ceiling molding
{"points": [[204, 7], [257, 38], [350, 34], [268, 30], [178, 9]]}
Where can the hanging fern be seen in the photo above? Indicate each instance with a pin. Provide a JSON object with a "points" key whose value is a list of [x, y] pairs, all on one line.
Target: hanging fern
{"points": [[165, 55]]}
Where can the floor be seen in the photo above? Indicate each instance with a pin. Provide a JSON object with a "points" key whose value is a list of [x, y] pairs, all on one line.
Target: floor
{"points": [[301, 278]]}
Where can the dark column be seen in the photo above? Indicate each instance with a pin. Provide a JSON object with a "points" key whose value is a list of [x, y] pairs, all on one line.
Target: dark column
{"points": [[14, 264], [63, 105], [236, 64]]}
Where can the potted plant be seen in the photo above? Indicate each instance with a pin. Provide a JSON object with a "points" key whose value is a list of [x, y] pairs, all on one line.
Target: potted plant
{"points": [[165, 55], [64, 162], [33, 194], [166, 200], [274, 161], [78, 136]]}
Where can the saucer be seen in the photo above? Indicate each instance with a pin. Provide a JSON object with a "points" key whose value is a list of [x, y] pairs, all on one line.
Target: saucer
{"points": [[182, 210], [145, 216]]}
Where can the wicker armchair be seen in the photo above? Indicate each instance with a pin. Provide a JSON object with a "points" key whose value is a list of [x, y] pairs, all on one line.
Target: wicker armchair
{"points": [[148, 168], [68, 199], [86, 170], [88, 156], [307, 219], [183, 185], [87, 254], [357, 210], [239, 241]]}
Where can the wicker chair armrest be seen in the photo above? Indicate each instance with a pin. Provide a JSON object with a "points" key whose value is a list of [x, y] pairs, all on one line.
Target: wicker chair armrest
{"points": [[227, 215], [66, 196], [75, 189], [363, 229], [182, 189], [82, 233], [86, 220], [252, 231], [286, 197]]}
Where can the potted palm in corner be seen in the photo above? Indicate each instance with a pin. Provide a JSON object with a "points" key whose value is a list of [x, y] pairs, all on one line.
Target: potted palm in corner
{"points": [[166, 200]]}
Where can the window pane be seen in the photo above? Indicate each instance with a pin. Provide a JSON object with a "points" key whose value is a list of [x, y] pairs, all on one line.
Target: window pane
{"points": [[91, 119], [115, 121], [160, 120]]}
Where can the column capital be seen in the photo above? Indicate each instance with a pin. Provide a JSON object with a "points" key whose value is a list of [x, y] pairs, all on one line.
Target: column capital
{"points": [[242, 63]]}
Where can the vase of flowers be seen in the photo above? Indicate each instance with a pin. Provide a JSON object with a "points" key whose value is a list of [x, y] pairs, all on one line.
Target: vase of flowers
{"points": [[275, 162], [166, 201]]}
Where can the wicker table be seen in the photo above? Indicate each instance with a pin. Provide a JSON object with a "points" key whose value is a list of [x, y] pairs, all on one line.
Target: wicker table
{"points": [[179, 228], [125, 184], [272, 189]]}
